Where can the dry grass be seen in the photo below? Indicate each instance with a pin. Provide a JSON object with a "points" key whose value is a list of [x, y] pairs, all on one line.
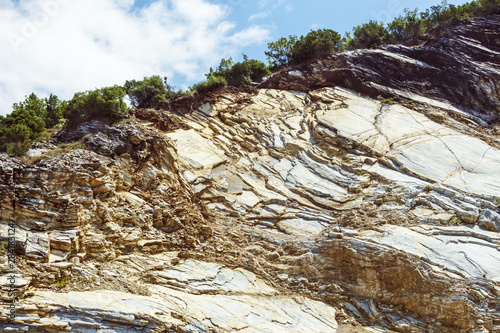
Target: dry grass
{"points": [[65, 148]]}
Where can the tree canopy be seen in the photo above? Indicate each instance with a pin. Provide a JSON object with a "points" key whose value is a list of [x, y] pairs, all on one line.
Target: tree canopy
{"points": [[149, 93], [317, 43], [31, 117], [103, 103], [240, 74], [368, 35], [293, 50]]}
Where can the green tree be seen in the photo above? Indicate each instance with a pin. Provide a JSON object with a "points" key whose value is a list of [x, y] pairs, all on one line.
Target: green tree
{"points": [[18, 130], [103, 103], [32, 103], [293, 50], [223, 69], [489, 6], [212, 83], [240, 74], [368, 35], [54, 108], [148, 93], [280, 52], [23, 124], [48, 109], [315, 44]]}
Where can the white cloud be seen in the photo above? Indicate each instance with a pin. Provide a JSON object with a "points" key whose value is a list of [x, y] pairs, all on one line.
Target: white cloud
{"points": [[252, 35], [259, 16], [271, 3], [66, 46]]}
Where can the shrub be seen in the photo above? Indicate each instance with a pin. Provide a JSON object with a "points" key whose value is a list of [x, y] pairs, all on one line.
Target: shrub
{"points": [[54, 108], [19, 148], [104, 103], [4, 246], [368, 35], [315, 44], [240, 74], [150, 92], [18, 130], [33, 104], [48, 109], [212, 83], [280, 52], [65, 148], [293, 50], [61, 283], [410, 25]]}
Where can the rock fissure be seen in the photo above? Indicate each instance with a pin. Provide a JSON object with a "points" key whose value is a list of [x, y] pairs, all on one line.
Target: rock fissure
{"points": [[273, 210]]}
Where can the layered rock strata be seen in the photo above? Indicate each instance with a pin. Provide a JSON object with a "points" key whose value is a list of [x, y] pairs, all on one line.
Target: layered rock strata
{"points": [[306, 208]]}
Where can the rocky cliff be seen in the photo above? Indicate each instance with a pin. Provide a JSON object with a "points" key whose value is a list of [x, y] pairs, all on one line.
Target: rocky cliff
{"points": [[355, 193]]}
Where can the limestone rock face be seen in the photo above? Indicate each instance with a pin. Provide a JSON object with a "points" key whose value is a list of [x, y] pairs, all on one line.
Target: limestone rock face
{"points": [[458, 67], [317, 209], [191, 297]]}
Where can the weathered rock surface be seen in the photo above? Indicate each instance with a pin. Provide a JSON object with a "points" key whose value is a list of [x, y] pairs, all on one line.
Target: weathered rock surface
{"points": [[458, 67], [192, 296], [324, 163], [272, 210]]}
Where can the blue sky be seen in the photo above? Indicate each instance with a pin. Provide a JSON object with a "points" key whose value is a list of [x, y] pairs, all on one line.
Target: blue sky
{"points": [[294, 17], [67, 46], [298, 17]]}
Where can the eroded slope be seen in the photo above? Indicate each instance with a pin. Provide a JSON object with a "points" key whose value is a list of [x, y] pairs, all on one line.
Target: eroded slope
{"points": [[310, 208]]}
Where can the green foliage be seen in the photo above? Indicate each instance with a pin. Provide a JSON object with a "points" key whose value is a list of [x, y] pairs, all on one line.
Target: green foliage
{"points": [[4, 246], [455, 220], [410, 25], [48, 109], [103, 103], [19, 129], [222, 70], [293, 50], [315, 44], [280, 52], [150, 92], [476, 296], [240, 74], [19, 148], [489, 6], [65, 148], [388, 100], [212, 83], [32, 103], [54, 111], [368, 35], [428, 188], [61, 283], [414, 24]]}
